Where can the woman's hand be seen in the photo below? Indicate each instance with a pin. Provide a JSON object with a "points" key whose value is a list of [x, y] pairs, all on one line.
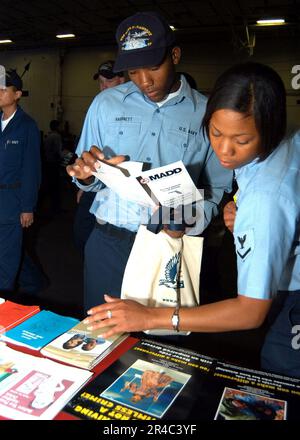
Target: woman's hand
{"points": [[123, 315], [229, 214]]}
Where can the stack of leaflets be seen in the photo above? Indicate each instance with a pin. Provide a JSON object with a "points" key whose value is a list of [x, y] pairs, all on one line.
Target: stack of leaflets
{"points": [[39, 329], [12, 314], [82, 347], [153, 380], [33, 388]]}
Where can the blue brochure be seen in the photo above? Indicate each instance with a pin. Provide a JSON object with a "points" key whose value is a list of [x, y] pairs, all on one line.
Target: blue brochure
{"points": [[39, 330]]}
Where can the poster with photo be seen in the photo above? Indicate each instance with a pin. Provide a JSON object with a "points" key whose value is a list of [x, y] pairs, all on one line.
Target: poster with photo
{"points": [[241, 405], [147, 387], [151, 381]]}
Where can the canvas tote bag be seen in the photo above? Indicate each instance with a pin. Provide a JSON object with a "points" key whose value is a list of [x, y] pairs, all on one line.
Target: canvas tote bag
{"points": [[162, 271]]}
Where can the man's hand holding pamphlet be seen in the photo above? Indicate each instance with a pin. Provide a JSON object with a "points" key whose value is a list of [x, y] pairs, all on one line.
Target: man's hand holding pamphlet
{"points": [[169, 185]]}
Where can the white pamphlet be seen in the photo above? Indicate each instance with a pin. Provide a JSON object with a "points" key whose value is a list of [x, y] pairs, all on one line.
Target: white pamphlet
{"points": [[169, 185]]}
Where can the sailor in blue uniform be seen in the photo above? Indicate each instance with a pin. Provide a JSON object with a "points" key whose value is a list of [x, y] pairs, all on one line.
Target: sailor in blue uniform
{"points": [[245, 121], [19, 180], [266, 233], [155, 119]]}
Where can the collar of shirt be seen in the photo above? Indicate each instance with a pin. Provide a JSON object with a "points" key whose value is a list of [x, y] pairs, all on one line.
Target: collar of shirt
{"points": [[5, 122], [246, 173], [273, 174], [170, 96], [272, 167], [185, 93]]}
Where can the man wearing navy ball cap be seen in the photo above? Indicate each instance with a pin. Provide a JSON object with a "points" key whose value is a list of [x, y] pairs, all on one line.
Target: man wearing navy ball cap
{"points": [[154, 118], [107, 77]]}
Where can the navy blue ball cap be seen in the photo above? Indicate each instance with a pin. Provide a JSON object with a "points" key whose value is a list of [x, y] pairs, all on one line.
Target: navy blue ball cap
{"points": [[143, 40], [106, 69], [13, 79]]}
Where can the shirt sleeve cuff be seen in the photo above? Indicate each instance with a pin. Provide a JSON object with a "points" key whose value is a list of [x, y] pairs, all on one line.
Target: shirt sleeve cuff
{"points": [[95, 186]]}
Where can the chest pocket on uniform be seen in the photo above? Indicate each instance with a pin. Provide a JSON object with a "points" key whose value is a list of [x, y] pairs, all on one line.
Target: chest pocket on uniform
{"points": [[184, 139], [124, 130], [10, 153]]}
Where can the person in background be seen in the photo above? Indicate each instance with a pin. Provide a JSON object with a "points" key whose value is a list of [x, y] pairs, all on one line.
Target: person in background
{"points": [[154, 118], [107, 77], [53, 157], [84, 221], [20, 176], [245, 121]]}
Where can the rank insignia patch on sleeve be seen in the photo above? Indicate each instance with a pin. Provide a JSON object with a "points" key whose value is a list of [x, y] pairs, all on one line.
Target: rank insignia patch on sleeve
{"points": [[244, 243]]}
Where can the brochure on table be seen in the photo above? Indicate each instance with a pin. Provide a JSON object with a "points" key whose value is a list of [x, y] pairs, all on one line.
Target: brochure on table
{"points": [[33, 388]]}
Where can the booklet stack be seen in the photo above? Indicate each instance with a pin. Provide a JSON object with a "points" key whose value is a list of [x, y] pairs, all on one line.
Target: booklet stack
{"points": [[12, 314], [82, 347]]}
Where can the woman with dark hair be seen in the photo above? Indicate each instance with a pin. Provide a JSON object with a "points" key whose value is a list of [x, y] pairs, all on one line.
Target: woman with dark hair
{"points": [[245, 121], [253, 90]]}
